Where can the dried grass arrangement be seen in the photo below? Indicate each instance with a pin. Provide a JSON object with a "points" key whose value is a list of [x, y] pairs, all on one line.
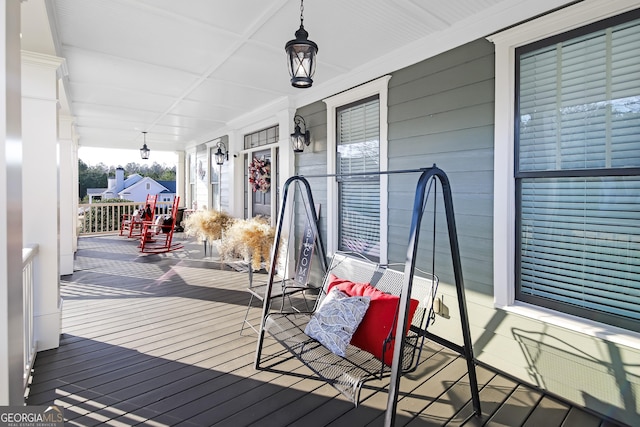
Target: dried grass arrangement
{"points": [[250, 239], [207, 224]]}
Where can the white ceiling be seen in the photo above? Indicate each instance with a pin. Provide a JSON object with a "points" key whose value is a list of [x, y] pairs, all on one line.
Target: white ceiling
{"points": [[187, 71]]}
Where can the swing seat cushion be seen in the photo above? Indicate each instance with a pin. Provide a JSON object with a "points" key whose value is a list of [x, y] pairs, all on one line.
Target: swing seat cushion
{"points": [[379, 320], [335, 321]]}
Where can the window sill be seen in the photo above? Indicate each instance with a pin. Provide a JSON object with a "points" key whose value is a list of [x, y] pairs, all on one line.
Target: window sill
{"points": [[576, 324]]}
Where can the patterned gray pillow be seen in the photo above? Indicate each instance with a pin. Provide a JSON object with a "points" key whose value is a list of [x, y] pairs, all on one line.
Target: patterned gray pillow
{"points": [[337, 318]]}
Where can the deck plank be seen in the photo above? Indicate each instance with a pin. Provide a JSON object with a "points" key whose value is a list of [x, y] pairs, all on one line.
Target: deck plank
{"points": [[516, 405], [578, 418], [429, 404], [492, 395], [548, 410], [155, 340]]}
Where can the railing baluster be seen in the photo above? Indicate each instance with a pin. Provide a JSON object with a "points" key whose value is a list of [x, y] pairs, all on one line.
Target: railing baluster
{"points": [[29, 351], [102, 218]]}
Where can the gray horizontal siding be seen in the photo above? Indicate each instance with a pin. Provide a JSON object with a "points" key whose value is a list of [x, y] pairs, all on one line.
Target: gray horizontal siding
{"points": [[441, 112], [313, 161]]}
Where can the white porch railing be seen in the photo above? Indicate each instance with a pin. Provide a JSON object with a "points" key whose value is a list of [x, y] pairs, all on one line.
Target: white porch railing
{"points": [[104, 218], [29, 352]]}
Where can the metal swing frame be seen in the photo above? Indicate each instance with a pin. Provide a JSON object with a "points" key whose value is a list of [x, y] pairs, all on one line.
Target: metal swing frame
{"points": [[465, 350]]}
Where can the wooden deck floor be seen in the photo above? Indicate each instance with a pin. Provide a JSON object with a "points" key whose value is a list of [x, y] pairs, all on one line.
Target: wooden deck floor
{"points": [[154, 340]]}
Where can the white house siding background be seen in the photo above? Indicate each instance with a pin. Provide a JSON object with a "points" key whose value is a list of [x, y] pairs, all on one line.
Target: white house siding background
{"points": [[138, 192], [442, 111]]}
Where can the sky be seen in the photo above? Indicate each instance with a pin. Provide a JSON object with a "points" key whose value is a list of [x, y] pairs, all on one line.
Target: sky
{"points": [[114, 157]]}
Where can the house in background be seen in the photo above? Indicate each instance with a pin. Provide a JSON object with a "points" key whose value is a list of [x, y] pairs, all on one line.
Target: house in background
{"points": [[95, 194], [136, 188]]}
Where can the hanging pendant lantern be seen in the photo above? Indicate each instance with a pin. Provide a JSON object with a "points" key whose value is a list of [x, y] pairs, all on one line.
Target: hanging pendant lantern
{"points": [[144, 151], [301, 55]]}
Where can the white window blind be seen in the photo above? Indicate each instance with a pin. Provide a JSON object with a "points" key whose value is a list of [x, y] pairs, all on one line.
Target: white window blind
{"points": [[578, 174], [358, 151], [579, 102], [581, 242]]}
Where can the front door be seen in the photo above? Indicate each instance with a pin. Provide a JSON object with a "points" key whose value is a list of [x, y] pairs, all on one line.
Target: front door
{"points": [[261, 197]]}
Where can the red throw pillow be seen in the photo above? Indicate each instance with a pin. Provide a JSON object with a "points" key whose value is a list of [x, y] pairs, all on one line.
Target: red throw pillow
{"points": [[379, 318], [333, 281]]}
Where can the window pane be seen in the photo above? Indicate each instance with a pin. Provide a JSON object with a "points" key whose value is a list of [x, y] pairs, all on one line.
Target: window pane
{"points": [[358, 149], [579, 114], [580, 242], [579, 102], [215, 172], [192, 168], [215, 196], [262, 137]]}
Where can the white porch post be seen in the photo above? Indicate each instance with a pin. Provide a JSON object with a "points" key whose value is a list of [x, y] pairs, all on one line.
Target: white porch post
{"points": [[68, 204], [236, 194], [75, 191], [180, 178], [11, 324], [287, 169], [41, 195], [287, 156]]}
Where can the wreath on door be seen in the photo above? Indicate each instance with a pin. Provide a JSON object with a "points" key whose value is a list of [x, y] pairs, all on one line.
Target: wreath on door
{"points": [[260, 175]]}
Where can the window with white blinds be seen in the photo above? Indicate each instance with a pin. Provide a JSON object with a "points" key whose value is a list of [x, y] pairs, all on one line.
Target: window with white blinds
{"points": [[578, 172], [358, 151]]}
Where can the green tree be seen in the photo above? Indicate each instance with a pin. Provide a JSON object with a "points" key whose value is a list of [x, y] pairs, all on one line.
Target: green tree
{"points": [[91, 177]]}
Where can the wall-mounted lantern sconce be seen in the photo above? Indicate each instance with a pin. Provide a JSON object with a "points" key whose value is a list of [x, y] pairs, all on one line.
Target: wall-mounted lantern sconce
{"points": [[301, 56], [144, 151], [221, 154], [298, 138]]}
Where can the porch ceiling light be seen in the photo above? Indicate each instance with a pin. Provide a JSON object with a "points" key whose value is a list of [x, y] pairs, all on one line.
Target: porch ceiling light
{"points": [[301, 56], [144, 151], [298, 138], [220, 155]]}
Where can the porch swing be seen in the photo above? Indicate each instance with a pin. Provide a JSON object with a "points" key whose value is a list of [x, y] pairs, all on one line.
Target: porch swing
{"points": [[400, 303]]}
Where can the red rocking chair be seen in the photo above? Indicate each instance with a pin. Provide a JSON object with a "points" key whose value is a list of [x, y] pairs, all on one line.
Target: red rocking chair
{"points": [[131, 224], [157, 238]]}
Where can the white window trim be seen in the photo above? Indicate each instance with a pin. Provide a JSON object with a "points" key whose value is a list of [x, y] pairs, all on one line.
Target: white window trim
{"points": [[249, 152], [506, 42], [190, 156], [211, 145], [375, 87]]}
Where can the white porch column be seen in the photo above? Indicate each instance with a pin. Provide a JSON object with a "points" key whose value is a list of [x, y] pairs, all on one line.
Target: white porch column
{"points": [[235, 170], [75, 190], [68, 151], [180, 178], [287, 156], [287, 169], [41, 195], [11, 312]]}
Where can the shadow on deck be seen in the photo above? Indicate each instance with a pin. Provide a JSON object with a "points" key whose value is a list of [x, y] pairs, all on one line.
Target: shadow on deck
{"points": [[154, 340]]}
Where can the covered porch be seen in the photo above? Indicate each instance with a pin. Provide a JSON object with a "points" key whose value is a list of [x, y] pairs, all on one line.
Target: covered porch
{"points": [[155, 340]]}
